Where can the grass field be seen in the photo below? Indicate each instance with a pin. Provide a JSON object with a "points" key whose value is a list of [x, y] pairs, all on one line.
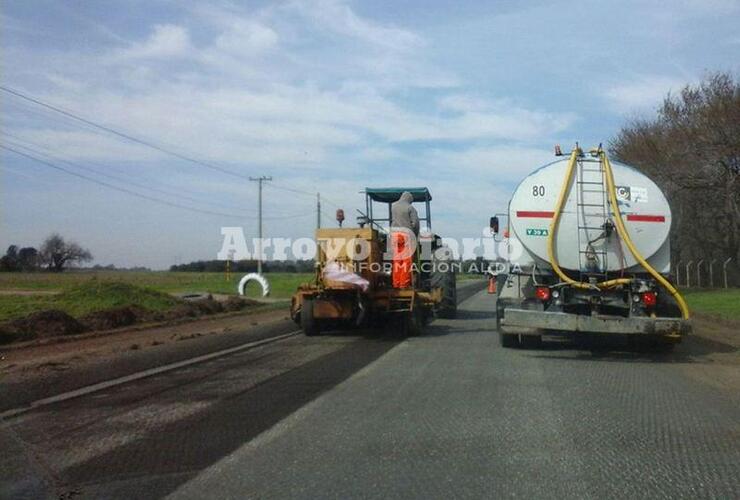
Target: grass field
{"points": [[721, 303], [282, 284], [82, 292], [85, 298]]}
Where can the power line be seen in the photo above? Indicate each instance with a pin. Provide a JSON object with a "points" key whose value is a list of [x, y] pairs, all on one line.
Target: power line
{"points": [[329, 216], [291, 190], [328, 200], [119, 134], [128, 191], [110, 176], [146, 143], [112, 186], [301, 191]]}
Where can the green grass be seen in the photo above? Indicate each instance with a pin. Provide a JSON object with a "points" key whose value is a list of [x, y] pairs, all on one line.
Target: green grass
{"points": [[722, 303], [282, 284], [86, 298], [469, 277], [83, 292]]}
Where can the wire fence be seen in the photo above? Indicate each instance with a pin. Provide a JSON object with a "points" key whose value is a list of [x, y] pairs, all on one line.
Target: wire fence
{"points": [[707, 273]]}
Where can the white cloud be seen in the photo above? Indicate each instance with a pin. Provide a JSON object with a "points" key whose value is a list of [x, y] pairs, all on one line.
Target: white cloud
{"points": [[497, 164], [244, 36], [341, 19], [84, 146], [645, 92], [314, 94], [167, 40]]}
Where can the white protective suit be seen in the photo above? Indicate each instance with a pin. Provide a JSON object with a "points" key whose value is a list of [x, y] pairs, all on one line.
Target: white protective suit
{"points": [[404, 214]]}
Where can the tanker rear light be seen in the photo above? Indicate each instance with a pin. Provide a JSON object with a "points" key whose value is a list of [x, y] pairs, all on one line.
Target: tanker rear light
{"points": [[542, 293], [649, 299]]}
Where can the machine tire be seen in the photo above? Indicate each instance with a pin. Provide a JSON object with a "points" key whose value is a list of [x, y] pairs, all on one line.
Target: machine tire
{"points": [[309, 324], [508, 339], [499, 313], [531, 341], [413, 323], [447, 281]]}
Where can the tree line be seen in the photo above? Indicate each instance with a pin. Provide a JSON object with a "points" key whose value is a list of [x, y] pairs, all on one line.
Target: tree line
{"points": [[247, 266], [691, 149], [55, 254]]}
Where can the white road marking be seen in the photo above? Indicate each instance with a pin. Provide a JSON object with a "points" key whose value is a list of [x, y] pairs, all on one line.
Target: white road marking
{"points": [[82, 391]]}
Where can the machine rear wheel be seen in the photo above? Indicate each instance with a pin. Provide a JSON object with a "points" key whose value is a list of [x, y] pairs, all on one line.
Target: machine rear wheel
{"points": [[309, 324], [447, 281], [413, 323]]}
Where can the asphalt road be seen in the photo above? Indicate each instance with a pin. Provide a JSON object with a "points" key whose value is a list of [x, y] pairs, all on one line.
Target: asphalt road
{"points": [[448, 414]]}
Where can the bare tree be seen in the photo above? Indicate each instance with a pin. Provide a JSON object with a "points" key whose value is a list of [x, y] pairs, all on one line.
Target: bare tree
{"points": [[56, 253], [692, 150]]}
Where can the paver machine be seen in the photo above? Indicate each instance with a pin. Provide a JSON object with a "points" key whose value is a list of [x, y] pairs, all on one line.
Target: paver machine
{"points": [[352, 286]]}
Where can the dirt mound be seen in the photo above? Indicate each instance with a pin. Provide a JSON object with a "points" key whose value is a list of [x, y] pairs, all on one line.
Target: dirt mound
{"points": [[206, 306], [192, 309], [52, 323], [117, 317], [237, 303], [43, 324]]}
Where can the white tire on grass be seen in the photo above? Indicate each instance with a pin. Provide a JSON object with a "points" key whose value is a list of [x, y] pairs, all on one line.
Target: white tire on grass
{"points": [[254, 277]]}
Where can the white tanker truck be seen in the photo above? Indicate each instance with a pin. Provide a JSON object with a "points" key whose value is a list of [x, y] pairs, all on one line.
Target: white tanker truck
{"points": [[588, 253]]}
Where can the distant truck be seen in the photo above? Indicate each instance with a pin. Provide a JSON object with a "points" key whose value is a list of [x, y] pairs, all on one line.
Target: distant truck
{"points": [[588, 253]]}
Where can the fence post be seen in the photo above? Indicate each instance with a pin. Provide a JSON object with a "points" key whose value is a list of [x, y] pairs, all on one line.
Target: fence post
{"points": [[688, 274], [678, 273], [724, 269], [711, 273], [698, 273]]}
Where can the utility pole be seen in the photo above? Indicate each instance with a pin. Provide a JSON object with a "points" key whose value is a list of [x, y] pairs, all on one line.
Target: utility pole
{"points": [[318, 210], [260, 180]]}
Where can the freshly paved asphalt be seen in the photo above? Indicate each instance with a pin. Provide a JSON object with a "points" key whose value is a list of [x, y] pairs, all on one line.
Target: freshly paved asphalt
{"points": [[447, 414]]}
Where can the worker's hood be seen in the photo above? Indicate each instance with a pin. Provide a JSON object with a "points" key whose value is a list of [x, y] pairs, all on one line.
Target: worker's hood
{"points": [[406, 197]]}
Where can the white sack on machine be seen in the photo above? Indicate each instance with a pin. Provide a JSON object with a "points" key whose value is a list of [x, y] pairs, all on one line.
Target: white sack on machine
{"points": [[334, 272]]}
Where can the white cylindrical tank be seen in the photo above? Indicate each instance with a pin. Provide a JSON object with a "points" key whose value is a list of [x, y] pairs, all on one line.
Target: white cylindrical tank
{"points": [[580, 240]]}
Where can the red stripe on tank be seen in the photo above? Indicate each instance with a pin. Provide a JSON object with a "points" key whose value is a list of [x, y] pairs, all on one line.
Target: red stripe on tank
{"points": [[645, 218], [528, 213]]}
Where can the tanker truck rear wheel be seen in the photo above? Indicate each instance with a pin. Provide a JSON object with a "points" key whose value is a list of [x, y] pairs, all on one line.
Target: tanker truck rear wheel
{"points": [[508, 339], [531, 341], [505, 339], [309, 324]]}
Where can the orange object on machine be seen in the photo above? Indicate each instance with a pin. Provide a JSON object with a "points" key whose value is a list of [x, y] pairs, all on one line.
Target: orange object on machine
{"points": [[402, 260], [491, 285]]}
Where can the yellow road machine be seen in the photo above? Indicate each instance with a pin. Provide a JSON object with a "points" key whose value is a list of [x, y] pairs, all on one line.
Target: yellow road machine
{"points": [[353, 282]]}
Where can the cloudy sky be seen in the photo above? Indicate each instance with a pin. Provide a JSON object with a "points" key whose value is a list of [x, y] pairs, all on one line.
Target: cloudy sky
{"points": [[465, 97]]}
